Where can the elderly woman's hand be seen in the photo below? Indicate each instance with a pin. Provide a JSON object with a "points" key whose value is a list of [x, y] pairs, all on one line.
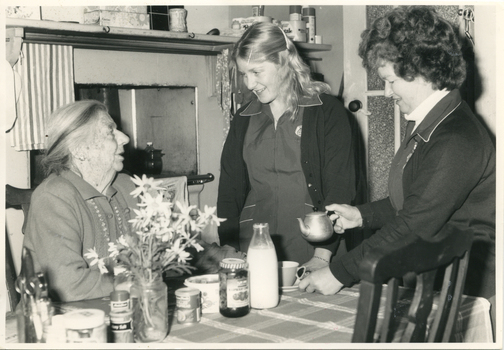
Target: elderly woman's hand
{"points": [[346, 217], [322, 281]]}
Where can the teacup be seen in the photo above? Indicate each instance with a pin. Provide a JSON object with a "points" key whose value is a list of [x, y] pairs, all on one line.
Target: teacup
{"points": [[287, 273]]}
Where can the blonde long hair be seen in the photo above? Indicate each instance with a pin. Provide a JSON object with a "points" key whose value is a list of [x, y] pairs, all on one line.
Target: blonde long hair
{"points": [[267, 42]]}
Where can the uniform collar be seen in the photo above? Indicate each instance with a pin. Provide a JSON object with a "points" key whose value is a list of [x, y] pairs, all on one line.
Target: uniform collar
{"points": [[256, 107], [436, 115], [85, 189]]}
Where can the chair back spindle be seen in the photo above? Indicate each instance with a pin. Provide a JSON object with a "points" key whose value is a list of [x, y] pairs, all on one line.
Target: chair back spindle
{"points": [[390, 263]]}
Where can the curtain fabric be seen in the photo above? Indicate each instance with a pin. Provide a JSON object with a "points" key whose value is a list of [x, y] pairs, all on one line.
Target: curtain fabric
{"points": [[223, 88], [47, 82]]}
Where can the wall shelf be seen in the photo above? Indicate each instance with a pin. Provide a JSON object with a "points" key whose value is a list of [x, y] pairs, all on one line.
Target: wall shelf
{"points": [[98, 37]]}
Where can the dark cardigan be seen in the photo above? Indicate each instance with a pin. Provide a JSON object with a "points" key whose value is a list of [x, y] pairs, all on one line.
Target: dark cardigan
{"points": [[448, 185], [328, 163]]}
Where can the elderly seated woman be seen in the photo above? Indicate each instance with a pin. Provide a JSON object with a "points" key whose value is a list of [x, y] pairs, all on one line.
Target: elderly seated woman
{"points": [[85, 203]]}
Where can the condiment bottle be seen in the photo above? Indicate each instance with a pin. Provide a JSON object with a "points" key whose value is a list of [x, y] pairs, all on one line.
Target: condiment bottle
{"points": [[263, 269], [309, 18], [234, 288]]}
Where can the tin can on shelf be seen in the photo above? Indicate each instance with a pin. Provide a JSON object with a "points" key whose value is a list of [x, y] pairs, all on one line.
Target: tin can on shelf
{"points": [[178, 20], [234, 288], [188, 301], [85, 326]]}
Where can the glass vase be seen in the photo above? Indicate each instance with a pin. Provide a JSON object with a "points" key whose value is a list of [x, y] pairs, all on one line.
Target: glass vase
{"points": [[150, 311]]}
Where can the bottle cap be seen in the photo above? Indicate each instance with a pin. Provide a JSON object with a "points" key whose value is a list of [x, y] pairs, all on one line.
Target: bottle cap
{"points": [[308, 11], [233, 263], [295, 9], [119, 295]]}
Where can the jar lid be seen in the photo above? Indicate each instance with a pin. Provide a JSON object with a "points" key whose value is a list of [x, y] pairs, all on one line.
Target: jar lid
{"points": [[233, 263], [187, 291], [119, 295], [84, 318]]}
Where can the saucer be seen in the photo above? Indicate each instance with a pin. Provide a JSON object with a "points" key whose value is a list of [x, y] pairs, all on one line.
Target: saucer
{"points": [[289, 288]]}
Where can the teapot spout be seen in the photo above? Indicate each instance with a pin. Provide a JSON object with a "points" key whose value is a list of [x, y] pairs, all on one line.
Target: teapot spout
{"points": [[305, 230]]}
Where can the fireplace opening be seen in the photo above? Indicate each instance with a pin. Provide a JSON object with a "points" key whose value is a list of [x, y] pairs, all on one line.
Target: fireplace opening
{"points": [[164, 115]]}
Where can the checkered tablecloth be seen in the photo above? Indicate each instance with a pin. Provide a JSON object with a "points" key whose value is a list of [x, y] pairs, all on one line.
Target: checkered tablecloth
{"points": [[299, 318], [313, 318]]}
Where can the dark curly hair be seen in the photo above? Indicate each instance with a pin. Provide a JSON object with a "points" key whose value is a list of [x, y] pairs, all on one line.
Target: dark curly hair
{"points": [[418, 42]]}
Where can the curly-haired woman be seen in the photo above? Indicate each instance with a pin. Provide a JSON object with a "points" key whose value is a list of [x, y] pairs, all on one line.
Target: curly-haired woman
{"points": [[442, 179], [288, 151]]}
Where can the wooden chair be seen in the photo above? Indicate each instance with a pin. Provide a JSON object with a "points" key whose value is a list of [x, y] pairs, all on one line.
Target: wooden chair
{"points": [[17, 198], [389, 264]]}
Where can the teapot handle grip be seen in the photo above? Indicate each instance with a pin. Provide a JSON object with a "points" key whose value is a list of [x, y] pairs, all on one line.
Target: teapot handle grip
{"points": [[329, 213]]}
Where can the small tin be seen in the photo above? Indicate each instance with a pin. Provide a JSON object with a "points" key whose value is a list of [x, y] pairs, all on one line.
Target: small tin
{"points": [[85, 326], [188, 305], [120, 301], [121, 324]]}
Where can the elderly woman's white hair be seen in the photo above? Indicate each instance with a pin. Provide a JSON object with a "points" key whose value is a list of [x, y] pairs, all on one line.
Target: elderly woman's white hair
{"points": [[67, 129]]}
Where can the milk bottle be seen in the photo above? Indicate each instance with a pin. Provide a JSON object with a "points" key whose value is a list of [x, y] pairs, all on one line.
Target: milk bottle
{"points": [[263, 269]]}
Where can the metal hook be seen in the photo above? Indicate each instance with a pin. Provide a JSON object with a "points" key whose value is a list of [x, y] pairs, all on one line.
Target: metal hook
{"points": [[468, 16]]}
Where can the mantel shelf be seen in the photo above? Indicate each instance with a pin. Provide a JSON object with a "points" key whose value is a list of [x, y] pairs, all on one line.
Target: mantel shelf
{"points": [[98, 37]]}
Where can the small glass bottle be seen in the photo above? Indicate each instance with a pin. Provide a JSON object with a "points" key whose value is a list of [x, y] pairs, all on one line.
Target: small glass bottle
{"points": [[234, 288], [153, 163]]}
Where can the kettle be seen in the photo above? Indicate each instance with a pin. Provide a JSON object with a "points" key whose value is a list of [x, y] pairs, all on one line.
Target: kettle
{"points": [[316, 226]]}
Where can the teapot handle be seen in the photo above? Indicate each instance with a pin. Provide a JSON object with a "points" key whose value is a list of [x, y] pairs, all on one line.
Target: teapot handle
{"points": [[329, 213]]}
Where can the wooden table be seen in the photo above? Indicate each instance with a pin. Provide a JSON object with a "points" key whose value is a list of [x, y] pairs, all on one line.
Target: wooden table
{"points": [[299, 318]]}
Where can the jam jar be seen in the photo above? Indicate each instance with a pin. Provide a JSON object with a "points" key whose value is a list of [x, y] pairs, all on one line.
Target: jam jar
{"points": [[233, 288]]}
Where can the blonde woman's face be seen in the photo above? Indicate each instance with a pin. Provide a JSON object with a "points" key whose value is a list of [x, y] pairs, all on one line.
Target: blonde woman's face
{"points": [[261, 78]]}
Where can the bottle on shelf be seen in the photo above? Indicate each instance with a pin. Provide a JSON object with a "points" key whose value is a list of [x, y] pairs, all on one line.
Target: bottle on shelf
{"points": [[309, 17], [153, 163], [263, 269]]}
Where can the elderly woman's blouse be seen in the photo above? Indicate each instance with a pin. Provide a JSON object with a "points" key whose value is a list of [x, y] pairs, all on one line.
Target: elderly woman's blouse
{"points": [[67, 218]]}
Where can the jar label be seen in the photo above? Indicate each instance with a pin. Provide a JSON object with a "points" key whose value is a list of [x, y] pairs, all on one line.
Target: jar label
{"points": [[117, 306], [237, 292], [123, 326]]}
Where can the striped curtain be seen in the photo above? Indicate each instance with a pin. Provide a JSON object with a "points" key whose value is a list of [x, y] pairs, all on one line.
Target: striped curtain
{"points": [[46, 77]]}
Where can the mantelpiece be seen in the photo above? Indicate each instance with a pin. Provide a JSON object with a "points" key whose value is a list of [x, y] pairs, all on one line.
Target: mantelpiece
{"points": [[129, 39]]}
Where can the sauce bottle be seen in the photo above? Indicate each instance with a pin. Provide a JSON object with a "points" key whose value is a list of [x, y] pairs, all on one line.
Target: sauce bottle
{"points": [[263, 269]]}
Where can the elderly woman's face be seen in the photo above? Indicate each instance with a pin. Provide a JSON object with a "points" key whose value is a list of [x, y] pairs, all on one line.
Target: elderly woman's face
{"points": [[408, 95], [104, 152]]}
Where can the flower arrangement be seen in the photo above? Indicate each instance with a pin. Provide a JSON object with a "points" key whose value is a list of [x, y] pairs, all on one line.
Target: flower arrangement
{"points": [[163, 235]]}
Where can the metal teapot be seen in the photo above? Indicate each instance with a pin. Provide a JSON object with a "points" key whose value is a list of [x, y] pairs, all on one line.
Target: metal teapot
{"points": [[316, 227]]}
